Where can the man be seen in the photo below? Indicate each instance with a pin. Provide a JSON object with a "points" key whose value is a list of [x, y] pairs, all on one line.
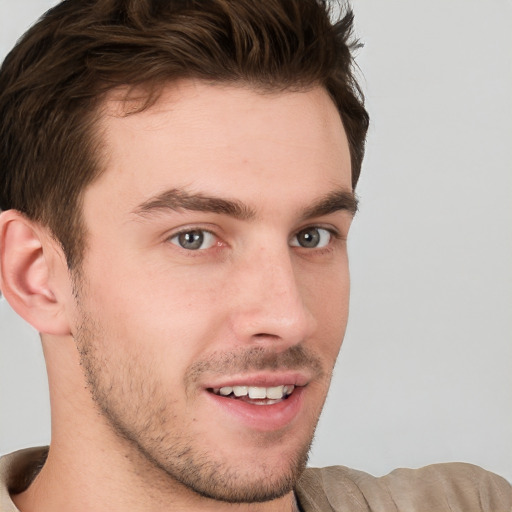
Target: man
{"points": [[177, 190]]}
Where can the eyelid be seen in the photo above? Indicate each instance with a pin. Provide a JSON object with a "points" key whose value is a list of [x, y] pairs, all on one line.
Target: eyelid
{"points": [[332, 231], [176, 232], [335, 231], [209, 228], [207, 239]]}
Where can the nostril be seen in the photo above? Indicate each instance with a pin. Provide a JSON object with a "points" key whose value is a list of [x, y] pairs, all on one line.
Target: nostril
{"points": [[265, 335]]}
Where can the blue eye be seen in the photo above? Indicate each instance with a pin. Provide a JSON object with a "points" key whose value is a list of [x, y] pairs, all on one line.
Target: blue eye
{"points": [[312, 238], [194, 240]]}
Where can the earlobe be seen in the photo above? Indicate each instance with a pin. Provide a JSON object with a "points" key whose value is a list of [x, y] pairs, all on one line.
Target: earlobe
{"points": [[25, 274]]}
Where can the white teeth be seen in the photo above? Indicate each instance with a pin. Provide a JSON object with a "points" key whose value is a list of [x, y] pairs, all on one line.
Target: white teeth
{"points": [[256, 392], [276, 392], [240, 390]]}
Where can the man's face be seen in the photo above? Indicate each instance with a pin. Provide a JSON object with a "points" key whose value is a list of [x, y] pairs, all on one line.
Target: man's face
{"points": [[214, 290]]}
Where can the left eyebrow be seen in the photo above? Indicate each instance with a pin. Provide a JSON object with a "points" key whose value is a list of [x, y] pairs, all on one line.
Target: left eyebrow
{"points": [[331, 203]]}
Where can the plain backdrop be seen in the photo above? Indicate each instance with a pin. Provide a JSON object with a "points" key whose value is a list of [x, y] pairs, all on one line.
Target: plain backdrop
{"points": [[424, 374]]}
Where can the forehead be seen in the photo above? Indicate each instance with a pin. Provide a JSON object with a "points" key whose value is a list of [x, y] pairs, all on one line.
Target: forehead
{"points": [[223, 139]]}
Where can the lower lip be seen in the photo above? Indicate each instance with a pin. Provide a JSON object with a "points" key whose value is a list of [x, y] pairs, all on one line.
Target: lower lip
{"points": [[262, 418]]}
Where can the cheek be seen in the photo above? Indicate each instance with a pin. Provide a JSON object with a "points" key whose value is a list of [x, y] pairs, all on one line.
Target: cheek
{"points": [[326, 295], [162, 313], [325, 290]]}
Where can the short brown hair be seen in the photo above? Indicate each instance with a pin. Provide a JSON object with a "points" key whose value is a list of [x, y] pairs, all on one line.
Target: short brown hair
{"points": [[53, 81]]}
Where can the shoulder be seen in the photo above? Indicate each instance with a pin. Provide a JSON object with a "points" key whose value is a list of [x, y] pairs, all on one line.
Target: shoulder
{"points": [[17, 470], [457, 487]]}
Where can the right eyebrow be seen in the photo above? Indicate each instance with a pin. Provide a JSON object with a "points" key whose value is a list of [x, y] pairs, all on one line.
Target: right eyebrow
{"points": [[178, 199], [332, 202]]}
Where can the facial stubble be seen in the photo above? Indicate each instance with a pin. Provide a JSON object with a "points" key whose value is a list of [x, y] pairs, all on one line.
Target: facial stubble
{"points": [[142, 415]]}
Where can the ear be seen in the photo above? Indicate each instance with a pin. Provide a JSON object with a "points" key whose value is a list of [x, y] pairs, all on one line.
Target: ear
{"points": [[27, 255]]}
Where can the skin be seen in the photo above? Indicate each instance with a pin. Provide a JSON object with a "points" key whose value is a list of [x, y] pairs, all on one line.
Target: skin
{"points": [[135, 343]]}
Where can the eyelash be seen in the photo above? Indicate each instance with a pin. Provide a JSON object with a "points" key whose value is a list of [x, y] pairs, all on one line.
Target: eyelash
{"points": [[333, 233], [193, 230]]}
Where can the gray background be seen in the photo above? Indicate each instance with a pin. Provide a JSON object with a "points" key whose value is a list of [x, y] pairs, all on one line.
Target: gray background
{"points": [[425, 370]]}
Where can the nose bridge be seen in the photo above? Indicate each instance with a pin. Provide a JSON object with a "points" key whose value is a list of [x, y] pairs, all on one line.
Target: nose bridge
{"points": [[270, 303]]}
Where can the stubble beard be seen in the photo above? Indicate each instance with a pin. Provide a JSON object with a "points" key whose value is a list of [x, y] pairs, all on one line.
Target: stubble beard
{"points": [[140, 413]]}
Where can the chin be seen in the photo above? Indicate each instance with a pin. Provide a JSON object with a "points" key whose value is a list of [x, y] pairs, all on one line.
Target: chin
{"points": [[249, 481]]}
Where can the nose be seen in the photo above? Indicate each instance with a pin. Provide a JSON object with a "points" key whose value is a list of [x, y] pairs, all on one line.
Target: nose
{"points": [[269, 305]]}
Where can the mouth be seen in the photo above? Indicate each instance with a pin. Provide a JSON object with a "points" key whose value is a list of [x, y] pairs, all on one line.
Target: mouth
{"points": [[264, 402], [255, 395]]}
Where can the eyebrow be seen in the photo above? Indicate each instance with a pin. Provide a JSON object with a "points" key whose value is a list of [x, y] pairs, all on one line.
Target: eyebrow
{"points": [[338, 200], [178, 199]]}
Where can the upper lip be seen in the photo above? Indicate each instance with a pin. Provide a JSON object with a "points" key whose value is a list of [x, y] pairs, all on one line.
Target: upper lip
{"points": [[261, 379]]}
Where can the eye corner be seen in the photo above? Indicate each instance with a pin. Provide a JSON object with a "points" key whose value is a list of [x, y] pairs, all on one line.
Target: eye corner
{"points": [[193, 239], [313, 237]]}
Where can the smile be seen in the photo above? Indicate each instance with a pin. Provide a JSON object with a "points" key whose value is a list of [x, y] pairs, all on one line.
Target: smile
{"points": [[254, 394], [242, 400]]}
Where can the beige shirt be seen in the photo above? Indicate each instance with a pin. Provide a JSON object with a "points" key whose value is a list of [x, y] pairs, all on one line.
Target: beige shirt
{"points": [[454, 487]]}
